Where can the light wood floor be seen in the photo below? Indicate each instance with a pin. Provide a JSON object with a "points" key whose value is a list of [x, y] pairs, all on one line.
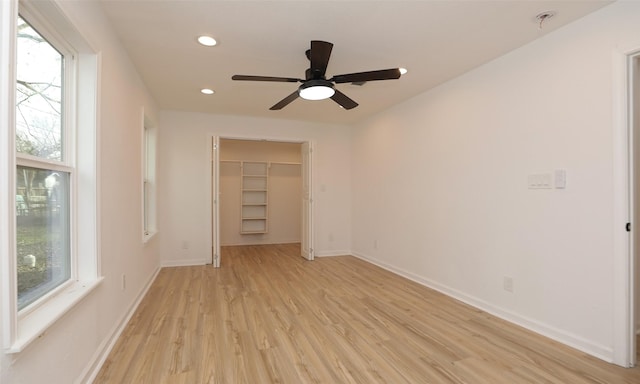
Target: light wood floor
{"points": [[268, 316]]}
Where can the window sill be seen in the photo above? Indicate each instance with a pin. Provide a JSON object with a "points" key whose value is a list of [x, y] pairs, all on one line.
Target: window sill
{"points": [[35, 324], [148, 236]]}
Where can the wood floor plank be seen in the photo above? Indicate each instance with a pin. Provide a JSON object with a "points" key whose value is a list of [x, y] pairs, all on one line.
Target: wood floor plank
{"points": [[269, 316]]}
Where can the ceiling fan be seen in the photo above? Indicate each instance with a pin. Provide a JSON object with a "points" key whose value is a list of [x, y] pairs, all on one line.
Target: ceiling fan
{"points": [[315, 85]]}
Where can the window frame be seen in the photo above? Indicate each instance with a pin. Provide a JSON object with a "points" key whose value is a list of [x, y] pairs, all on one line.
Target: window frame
{"points": [[20, 328], [67, 141], [149, 150]]}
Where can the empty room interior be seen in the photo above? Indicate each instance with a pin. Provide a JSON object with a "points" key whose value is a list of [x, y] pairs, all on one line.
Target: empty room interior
{"points": [[319, 191]]}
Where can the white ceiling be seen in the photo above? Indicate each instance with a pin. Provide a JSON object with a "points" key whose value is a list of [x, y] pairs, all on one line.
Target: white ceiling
{"points": [[435, 40]]}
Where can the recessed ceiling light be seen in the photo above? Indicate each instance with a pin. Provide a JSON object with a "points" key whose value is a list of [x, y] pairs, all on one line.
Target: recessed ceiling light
{"points": [[207, 41], [207, 91], [403, 71]]}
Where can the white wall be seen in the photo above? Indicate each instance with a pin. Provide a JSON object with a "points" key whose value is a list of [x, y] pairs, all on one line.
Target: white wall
{"points": [[71, 348], [440, 182], [251, 150], [284, 191], [183, 174]]}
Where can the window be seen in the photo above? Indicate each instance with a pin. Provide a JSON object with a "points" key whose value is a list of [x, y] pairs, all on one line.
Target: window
{"points": [[148, 179], [44, 172], [49, 256]]}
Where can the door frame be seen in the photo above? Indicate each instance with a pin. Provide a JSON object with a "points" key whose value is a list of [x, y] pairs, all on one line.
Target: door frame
{"points": [[306, 232], [213, 181], [626, 162], [214, 198], [633, 124]]}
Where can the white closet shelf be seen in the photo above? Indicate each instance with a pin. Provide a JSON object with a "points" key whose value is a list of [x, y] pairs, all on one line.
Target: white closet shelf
{"points": [[254, 190]]}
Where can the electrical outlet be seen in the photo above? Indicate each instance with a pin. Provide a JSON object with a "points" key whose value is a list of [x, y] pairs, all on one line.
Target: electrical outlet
{"points": [[507, 284], [185, 244], [124, 281], [375, 244]]}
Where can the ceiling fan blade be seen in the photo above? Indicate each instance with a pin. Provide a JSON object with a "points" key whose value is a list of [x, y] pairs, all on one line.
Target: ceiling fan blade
{"points": [[383, 74], [319, 56], [343, 100], [284, 102], [265, 78]]}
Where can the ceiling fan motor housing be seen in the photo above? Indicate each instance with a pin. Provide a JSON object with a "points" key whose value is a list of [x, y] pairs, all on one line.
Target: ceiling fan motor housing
{"points": [[313, 74]]}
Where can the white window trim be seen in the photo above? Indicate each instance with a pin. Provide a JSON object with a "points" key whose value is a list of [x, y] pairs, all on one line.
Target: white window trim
{"points": [[20, 329], [8, 18]]}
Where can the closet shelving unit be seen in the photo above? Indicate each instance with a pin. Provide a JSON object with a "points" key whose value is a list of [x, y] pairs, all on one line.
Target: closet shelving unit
{"points": [[255, 197]]}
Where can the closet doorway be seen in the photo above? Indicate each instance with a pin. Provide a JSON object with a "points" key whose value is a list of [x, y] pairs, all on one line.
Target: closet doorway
{"points": [[261, 194]]}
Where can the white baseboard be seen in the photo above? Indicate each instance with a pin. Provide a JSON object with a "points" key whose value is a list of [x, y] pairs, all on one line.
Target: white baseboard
{"points": [[332, 253], [183, 263], [271, 242], [600, 351], [91, 371]]}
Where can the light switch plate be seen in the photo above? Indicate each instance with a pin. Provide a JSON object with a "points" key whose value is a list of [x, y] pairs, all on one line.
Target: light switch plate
{"points": [[560, 179], [539, 181]]}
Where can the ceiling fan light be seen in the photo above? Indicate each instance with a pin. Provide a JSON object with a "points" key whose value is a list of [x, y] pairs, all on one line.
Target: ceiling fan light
{"points": [[319, 92], [316, 90]]}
